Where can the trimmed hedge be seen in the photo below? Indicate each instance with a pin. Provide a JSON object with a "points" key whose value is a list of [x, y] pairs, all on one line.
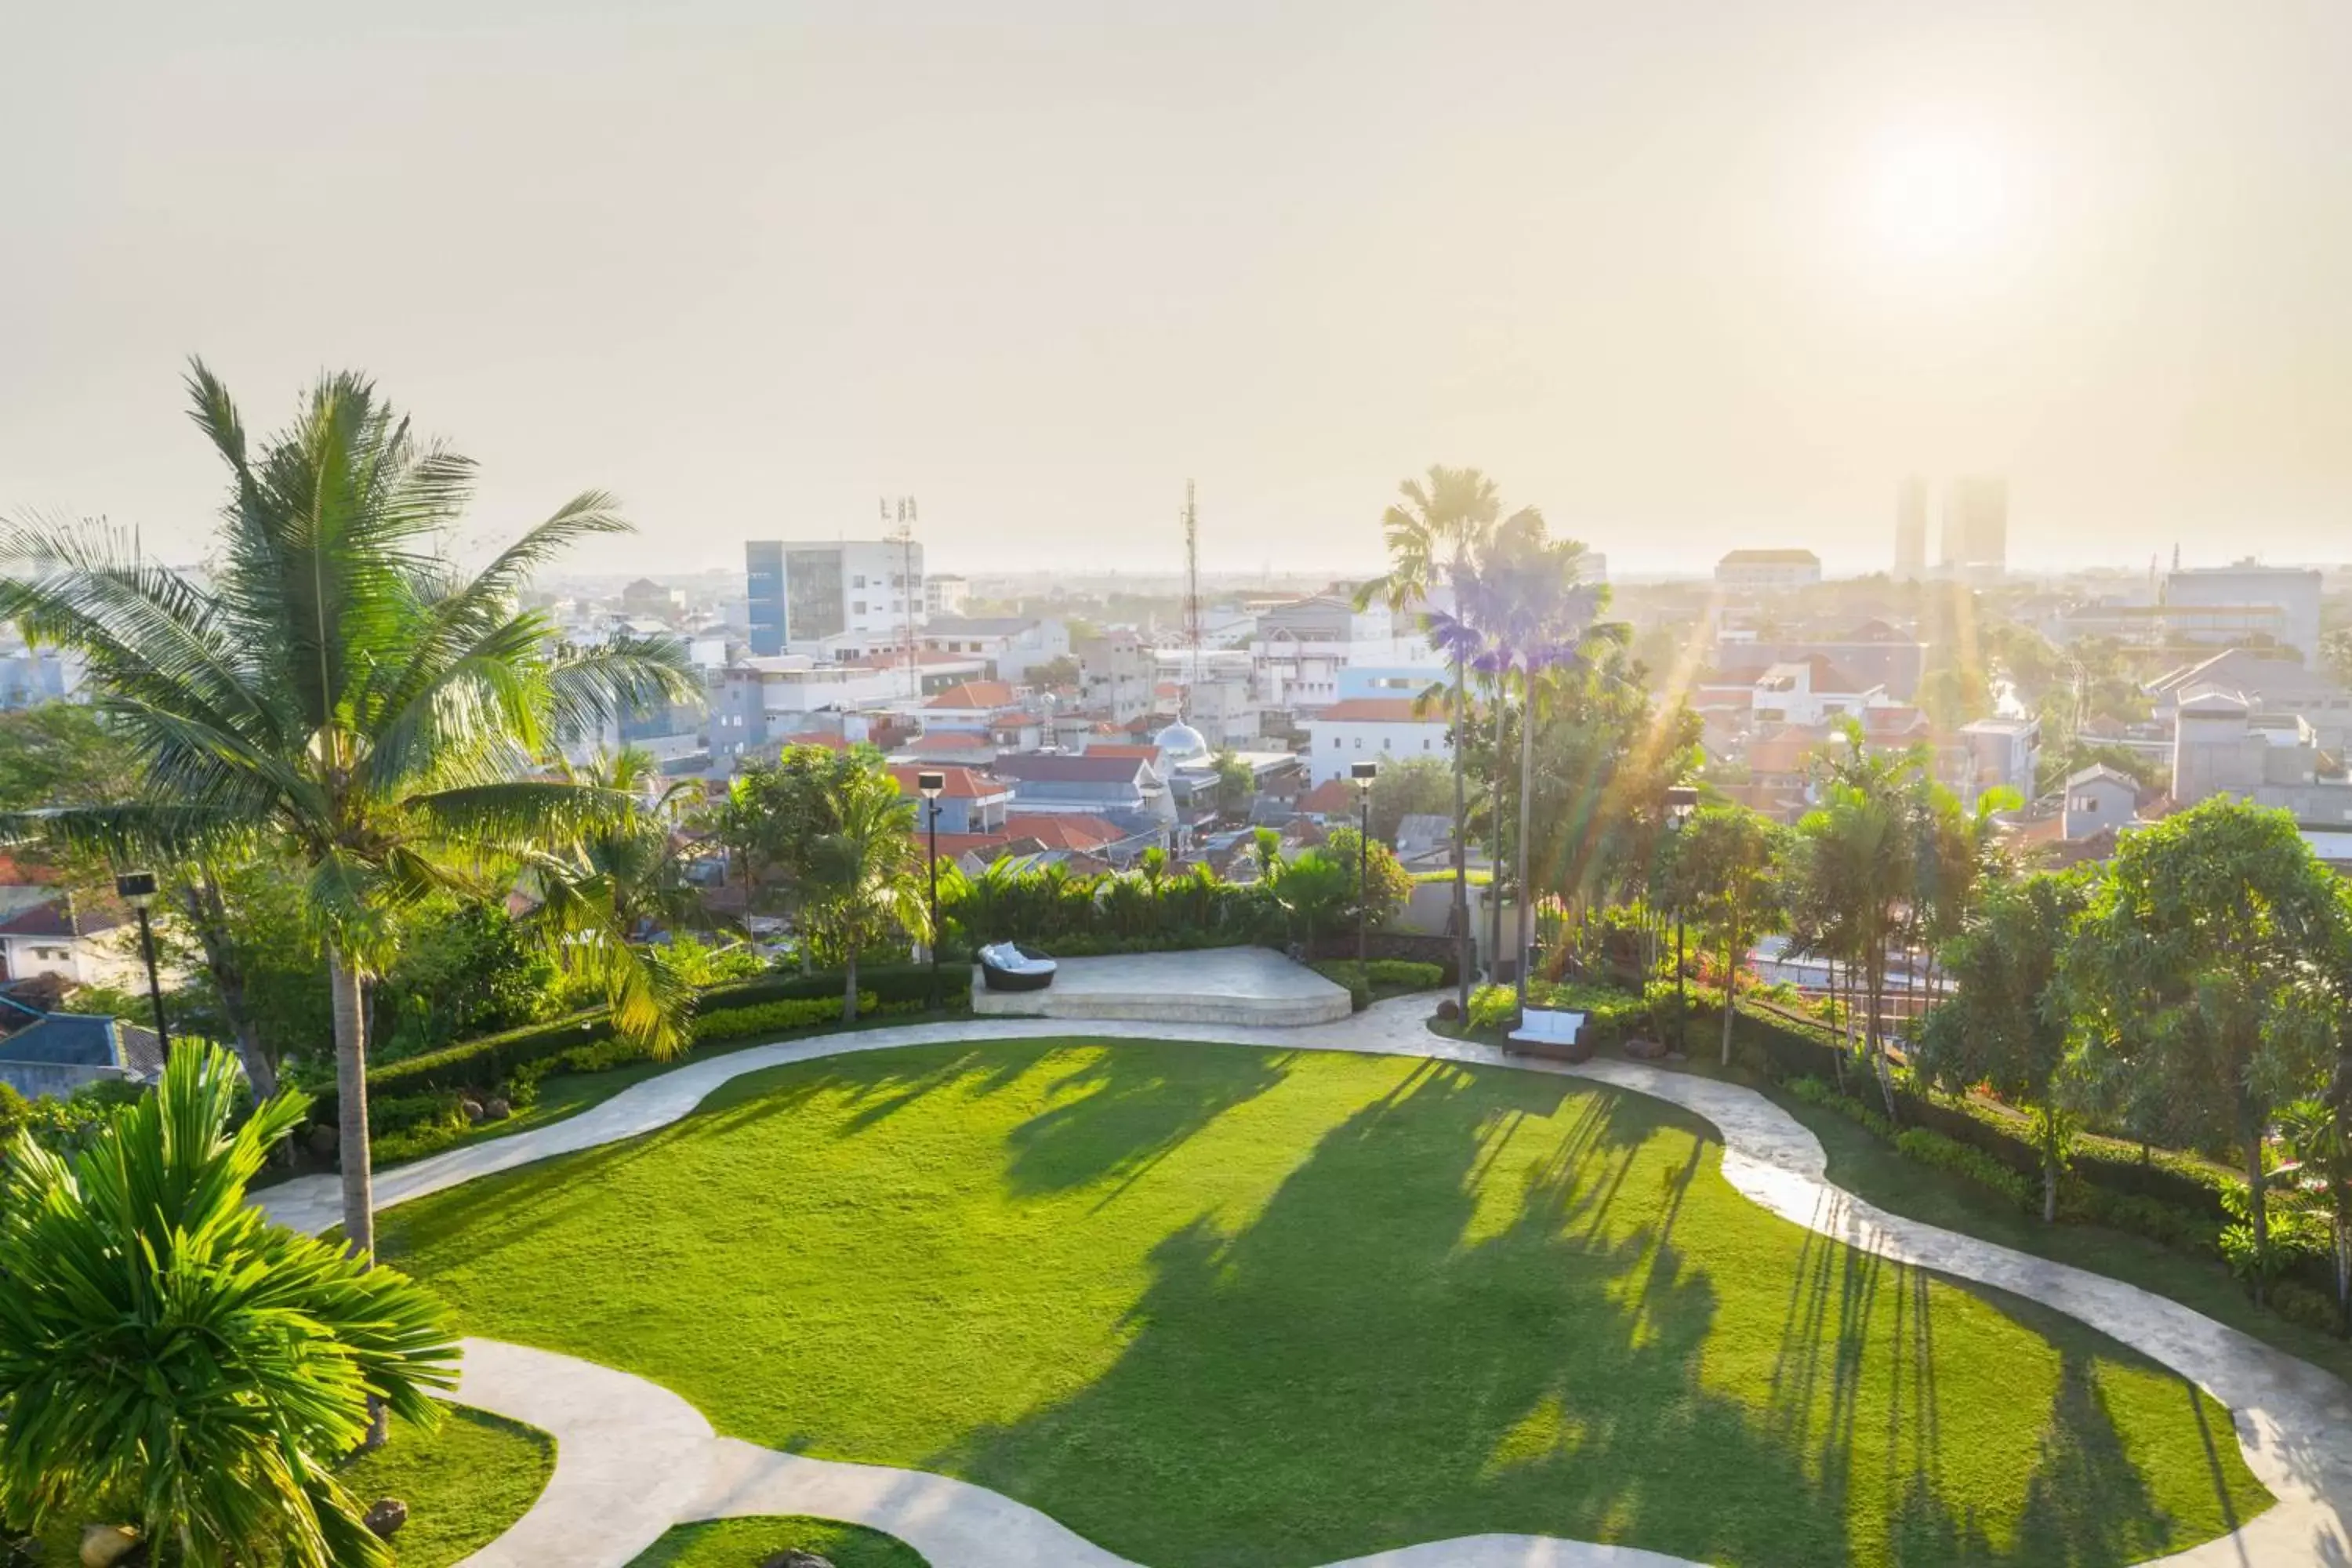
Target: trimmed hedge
{"points": [[482, 1066], [1379, 977]]}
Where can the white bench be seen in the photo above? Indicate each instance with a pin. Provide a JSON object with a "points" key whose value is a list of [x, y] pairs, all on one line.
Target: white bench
{"points": [[1548, 1032]]}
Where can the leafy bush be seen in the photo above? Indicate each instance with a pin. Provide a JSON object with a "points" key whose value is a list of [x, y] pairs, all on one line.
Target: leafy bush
{"points": [[1382, 977], [1493, 1007], [1931, 1148], [2303, 1304], [15, 1114]]}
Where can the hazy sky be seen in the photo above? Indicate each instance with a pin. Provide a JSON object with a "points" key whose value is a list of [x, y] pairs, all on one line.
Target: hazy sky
{"points": [[1685, 275]]}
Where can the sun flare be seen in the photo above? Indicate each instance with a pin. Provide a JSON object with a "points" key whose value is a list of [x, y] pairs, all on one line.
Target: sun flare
{"points": [[1940, 195]]}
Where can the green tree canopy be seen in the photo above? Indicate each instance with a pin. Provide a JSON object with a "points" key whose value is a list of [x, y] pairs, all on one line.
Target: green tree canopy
{"points": [[2199, 1004], [1725, 874], [2009, 1022]]}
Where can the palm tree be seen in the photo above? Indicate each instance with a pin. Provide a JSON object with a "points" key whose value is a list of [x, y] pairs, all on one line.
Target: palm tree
{"points": [[600, 895], [337, 697], [865, 878], [169, 1356], [1432, 536]]}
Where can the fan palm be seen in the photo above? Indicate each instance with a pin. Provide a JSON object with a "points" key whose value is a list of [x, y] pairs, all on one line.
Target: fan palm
{"points": [[1432, 536], [336, 696], [864, 878], [170, 1356]]}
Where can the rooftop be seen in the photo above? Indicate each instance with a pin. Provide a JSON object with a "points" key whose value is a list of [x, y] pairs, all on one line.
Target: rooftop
{"points": [[1770, 558], [975, 694], [1376, 710], [977, 625], [962, 784]]}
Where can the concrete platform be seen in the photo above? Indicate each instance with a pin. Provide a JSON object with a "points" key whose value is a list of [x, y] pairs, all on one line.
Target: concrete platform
{"points": [[1246, 985]]}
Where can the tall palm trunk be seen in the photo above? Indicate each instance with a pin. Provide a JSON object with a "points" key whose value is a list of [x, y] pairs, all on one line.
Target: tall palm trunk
{"points": [[1494, 903], [1466, 942], [849, 990], [351, 1104], [1520, 890]]}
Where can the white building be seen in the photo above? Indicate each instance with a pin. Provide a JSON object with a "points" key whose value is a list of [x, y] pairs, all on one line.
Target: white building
{"points": [[1011, 645], [1116, 676], [1372, 728], [2098, 797], [764, 699], [800, 594], [1750, 569], [1299, 649], [2268, 684], [2247, 587], [945, 594], [1811, 691]]}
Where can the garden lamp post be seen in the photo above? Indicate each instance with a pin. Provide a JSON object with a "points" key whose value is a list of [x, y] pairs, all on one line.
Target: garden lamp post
{"points": [[932, 786], [1681, 801], [137, 888], [1362, 772]]}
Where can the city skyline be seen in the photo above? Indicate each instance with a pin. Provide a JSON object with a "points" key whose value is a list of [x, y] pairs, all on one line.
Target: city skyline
{"points": [[749, 270]]}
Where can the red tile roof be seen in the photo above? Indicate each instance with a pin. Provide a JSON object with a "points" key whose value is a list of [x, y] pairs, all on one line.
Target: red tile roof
{"points": [[1376, 710], [989, 694], [1332, 797], [962, 784], [1056, 830]]}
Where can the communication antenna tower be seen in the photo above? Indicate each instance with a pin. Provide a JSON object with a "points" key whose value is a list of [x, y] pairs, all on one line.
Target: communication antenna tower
{"points": [[903, 536], [1191, 588]]}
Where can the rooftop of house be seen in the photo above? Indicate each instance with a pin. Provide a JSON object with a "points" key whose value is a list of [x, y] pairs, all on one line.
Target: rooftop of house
{"points": [[86, 1039], [1063, 767], [1376, 710], [59, 915], [2101, 773], [1331, 798], [977, 625], [976, 695], [961, 783], [1070, 830], [1770, 558], [2246, 670], [1821, 676]]}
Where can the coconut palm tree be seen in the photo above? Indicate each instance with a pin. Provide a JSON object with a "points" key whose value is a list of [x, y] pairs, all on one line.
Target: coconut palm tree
{"points": [[864, 878], [169, 1358], [1432, 534], [335, 695]]}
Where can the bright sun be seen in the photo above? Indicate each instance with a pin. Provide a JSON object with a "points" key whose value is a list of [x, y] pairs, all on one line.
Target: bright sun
{"points": [[1938, 195]]}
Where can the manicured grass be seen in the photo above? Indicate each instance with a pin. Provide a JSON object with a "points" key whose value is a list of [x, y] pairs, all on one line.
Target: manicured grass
{"points": [[745, 1542], [1209, 1305], [465, 1484]]}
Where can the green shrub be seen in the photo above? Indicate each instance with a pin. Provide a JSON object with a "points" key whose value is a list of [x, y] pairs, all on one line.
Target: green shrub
{"points": [[1347, 972], [1932, 1148], [1493, 1007], [2301, 1303], [15, 1114], [1382, 977]]}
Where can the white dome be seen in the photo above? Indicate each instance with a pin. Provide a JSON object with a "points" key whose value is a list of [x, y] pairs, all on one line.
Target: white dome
{"points": [[1179, 743]]}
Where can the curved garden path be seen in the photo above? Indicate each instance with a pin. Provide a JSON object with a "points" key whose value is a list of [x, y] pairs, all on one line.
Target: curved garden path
{"points": [[632, 1458]]}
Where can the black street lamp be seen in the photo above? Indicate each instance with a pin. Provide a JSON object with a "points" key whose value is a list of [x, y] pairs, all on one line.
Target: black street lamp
{"points": [[137, 888], [932, 786], [1362, 772], [1681, 801]]}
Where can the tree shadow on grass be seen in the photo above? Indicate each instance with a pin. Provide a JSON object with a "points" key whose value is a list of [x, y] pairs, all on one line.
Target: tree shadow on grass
{"points": [[1118, 1113], [1377, 1359]]}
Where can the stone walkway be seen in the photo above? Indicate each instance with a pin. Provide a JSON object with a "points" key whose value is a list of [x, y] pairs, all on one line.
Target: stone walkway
{"points": [[633, 1457]]}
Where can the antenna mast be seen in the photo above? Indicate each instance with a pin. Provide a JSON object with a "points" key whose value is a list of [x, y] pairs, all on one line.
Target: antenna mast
{"points": [[903, 536], [1191, 589]]}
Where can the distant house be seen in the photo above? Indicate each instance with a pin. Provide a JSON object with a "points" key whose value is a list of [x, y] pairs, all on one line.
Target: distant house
{"points": [[1126, 791], [972, 802], [58, 1052], [1809, 691], [1372, 728], [2098, 797], [1423, 836], [1011, 645], [50, 930]]}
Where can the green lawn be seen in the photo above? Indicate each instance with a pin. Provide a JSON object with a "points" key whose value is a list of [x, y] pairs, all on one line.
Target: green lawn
{"points": [[745, 1542], [464, 1484], [1209, 1305]]}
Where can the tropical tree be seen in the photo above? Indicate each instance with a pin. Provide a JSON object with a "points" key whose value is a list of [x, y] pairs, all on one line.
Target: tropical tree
{"points": [[169, 1356], [2319, 1133], [1411, 786], [2195, 976], [1432, 536], [1727, 873], [1236, 783], [602, 894], [774, 813], [865, 878], [1856, 877], [335, 698], [2010, 1023]]}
